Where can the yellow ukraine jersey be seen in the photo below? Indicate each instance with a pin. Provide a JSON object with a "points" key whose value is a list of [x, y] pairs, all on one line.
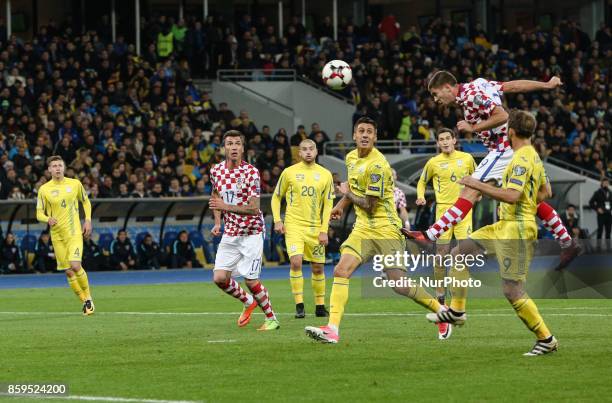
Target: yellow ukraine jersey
{"points": [[526, 174], [371, 176], [445, 171], [512, 238], [61, 201], [309, 193]]}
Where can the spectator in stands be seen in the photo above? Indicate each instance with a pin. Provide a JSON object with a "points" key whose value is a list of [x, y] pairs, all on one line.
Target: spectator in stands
{"points": [[122, 255], [44, 261], [12, 258], [93, 258], [601, 202], [149, 253], [571, 220], [183, 252]]}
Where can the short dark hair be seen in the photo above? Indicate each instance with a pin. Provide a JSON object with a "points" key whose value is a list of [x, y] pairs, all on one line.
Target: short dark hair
{"points": [[523, 123], [441, 78], [366, 120], [233, 133], [445, 130], [54, 158]]}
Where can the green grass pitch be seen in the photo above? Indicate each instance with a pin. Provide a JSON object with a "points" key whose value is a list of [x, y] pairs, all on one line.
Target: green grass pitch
{"points": [[181, 342]]}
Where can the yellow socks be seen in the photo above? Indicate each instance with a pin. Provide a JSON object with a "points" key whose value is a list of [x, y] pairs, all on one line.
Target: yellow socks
{"points": [[81, 277], [297, 285], [74, 284], [459, 294], [318, 288], [527, 310], [423, 298], [439, 274], [338, 299]]}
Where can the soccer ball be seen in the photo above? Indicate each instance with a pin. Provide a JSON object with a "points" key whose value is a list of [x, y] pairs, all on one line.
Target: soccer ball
{"points": [[337, 74]]}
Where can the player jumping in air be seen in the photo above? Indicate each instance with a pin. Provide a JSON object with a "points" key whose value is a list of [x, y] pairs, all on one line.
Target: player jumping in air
{"points": [[376, 230], [484, 115], [236, 191], [513, 237], [444, 171], [309, 193], [58, 206]]}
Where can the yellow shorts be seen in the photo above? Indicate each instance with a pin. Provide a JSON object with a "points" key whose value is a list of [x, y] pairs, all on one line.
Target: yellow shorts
{"points": [[66, 251], [460, 231], [513, 242], [304, 241], [364, 243]]}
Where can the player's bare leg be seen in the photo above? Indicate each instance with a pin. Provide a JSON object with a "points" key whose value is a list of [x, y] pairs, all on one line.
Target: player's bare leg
{"points": [[296, 278], [318, 289], [223, 279], [527, 311], [77, 274], [450, 218], [339, 297], [260, 293]]}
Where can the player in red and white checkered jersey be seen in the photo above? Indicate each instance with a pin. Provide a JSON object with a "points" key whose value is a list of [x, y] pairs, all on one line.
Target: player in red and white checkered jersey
{"points": [[400, 202], [481, 101], [235, 197]]}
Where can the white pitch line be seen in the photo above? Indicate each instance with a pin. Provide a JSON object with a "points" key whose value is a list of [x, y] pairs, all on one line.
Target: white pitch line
{"points": [[99, 398], [475, 312], [222, 341]]}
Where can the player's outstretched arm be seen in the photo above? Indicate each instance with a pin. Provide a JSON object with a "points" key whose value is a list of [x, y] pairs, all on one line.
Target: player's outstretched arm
{"points": [[530, 85], [498, 117], [504, 195]]}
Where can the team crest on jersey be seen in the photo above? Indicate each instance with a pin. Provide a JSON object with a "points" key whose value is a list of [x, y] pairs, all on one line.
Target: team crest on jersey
{"points": [[374, 178], [299, 177], [68, 189], [238, 181], [55, 193], [459, 163], [317, 177], [519, 170]]}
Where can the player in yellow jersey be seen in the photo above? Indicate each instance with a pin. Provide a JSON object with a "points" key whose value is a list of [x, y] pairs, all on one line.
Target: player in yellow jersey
{"points": [[444, 172], [308, 190], [376, 230], [58, 206], [513, 237]]}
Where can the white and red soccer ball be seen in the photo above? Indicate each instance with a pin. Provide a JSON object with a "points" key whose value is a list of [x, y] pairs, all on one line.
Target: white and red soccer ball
{"points": [[337, 74]]}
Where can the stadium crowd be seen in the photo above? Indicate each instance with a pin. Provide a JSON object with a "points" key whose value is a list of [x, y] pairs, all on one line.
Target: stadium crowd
{"points": [[137, 126]]}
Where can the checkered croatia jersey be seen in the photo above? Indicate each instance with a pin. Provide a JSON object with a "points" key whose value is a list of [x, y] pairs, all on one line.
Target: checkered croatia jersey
{"points": [[236, 186], [478, 99], [400, 198]]}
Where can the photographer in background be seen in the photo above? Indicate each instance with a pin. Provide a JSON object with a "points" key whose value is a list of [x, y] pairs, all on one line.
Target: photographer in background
{"points": [[601, 202]]}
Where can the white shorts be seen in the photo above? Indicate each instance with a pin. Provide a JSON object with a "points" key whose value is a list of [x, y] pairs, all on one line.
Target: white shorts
{"points": [[241, 255], [492, 167]]}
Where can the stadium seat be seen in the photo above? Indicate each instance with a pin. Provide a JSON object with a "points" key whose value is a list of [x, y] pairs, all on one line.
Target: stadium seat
{"points": [[140, 237], [196, 238], [105, 240], [169, 237], [28, 243]]}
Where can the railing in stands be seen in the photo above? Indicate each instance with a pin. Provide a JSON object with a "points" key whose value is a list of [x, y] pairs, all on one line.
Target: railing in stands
{"points": [[268, 100], [275, 75], [573, 168]]}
